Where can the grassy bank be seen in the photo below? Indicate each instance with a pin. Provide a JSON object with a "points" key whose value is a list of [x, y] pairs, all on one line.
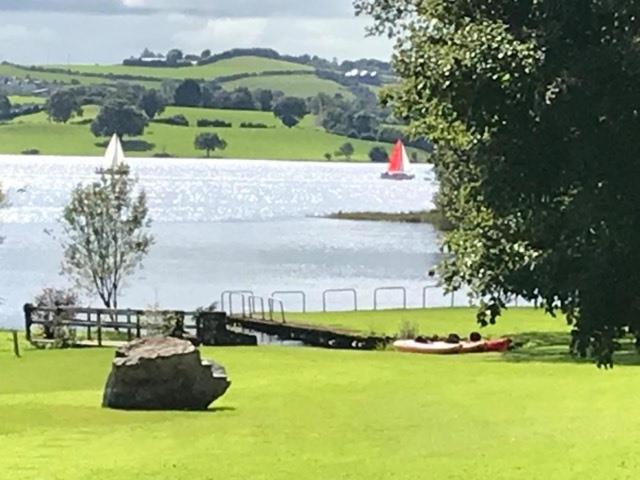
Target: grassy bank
{"points": [[303, 142], [318, 414], [434, 217]]}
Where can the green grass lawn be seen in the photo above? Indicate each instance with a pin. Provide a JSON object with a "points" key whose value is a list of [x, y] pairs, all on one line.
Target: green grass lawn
{"points": [[231, 66], [303, 142], [23, 99], [294, 85], [13, 71], [326, 414]]}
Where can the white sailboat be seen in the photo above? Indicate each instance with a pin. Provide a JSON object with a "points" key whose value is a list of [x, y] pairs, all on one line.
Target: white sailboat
{"points": [[113, 156], [399, 164]]}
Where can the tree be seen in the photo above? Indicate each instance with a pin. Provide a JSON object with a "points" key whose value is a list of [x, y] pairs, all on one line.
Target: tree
{"points": [[120, 118], [378, 155], [151, 103], [106, 234], [290, 110], [174, 56], [346, 150], [531, 107], [265, 99], [63, 105], [209, 141], [205, 54], [5, 107], [188, 94]]}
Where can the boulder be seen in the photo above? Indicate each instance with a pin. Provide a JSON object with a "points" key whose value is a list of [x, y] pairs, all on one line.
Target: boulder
{"points": [[161, 373]]}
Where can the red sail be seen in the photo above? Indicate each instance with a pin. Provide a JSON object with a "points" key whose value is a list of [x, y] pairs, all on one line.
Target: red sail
{"points": [[395, 160]]}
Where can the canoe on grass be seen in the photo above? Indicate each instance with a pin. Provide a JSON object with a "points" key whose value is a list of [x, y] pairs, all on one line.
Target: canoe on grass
{"points": [[440, 348]]}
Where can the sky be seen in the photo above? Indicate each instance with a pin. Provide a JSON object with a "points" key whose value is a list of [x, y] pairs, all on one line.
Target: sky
{"points": [[107, 31]]}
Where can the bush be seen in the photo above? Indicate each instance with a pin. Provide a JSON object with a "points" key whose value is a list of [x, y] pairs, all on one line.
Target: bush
{"points": [[378, 155], [253, 125], [408, 330], [161, 323], [176, 120], [31, 151], [54, 327], [162, 155], [203, 122]]}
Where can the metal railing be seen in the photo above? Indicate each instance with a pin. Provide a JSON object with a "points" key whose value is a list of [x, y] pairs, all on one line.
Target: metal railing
{"points": [[390, 289], [302, 294], [228, 293], [340, 290], [272, 301], [252, 306]]}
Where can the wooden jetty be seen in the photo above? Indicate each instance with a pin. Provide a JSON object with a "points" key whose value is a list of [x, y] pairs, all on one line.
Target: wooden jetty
{"points": [[210, 328]]}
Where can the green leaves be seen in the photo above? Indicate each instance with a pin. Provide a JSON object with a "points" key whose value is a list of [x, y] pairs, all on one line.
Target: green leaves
{"points": [[534, 107], [106, 234]]}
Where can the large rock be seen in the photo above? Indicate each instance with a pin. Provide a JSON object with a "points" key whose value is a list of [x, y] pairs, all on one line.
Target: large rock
{"points": [[163, 374]]}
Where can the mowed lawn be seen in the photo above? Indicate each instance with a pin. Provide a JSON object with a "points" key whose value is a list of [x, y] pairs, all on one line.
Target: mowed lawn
{"points": [[326, 414], [303, 142]]}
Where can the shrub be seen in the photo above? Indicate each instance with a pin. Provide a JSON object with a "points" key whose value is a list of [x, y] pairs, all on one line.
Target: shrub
{"points": [[378, 155], [31, 151], [176, 120], [203, 122], [54, 327], [408, 330], [253, 125], [162, 155], [328, 156]]}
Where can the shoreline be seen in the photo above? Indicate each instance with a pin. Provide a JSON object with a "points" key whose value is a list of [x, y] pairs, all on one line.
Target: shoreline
{"points": [[433, 217]]}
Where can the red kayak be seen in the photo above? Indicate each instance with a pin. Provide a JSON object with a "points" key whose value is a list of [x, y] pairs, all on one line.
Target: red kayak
{"points": [[499, 345]]}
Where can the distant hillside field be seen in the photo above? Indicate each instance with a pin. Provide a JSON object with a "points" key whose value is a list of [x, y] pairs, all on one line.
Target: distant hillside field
{"points": [[295, 85], [231, 66], [304, 142]]}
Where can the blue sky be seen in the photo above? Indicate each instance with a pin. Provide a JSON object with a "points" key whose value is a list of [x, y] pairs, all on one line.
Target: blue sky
{"points": [[106, 31]]}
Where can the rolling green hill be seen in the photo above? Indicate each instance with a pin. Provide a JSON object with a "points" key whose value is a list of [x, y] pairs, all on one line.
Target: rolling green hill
{"points": [[231, 66]]}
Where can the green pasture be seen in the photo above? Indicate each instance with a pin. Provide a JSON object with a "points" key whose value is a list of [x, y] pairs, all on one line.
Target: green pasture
{"points": [[294, 85], [328, 414], [303, 142], [231, 66]]}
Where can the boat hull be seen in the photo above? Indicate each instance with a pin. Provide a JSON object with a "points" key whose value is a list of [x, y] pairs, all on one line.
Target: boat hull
{"points": [[397, 176], [434, 348]]}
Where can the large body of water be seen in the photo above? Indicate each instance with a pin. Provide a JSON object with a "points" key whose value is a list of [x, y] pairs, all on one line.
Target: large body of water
{"points": [[227, 224]]}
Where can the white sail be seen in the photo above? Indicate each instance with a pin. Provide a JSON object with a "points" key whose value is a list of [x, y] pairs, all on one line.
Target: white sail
{"points": [[114, 155], [406, 163]]}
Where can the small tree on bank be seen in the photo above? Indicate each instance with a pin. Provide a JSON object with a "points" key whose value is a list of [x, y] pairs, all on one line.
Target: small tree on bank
{"points": [[346, 150], [209, 141], [5, 107], [106, 234]]}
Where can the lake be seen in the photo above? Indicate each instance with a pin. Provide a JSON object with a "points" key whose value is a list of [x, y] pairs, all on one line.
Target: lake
{"points": [[229, 224]]}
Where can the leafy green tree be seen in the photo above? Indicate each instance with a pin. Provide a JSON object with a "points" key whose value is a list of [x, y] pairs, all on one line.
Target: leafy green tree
{"points": [[378, 155], [205, 53], [209, 141], [290, 110], [63, 105], [532, 105], [106, 234], [174, 56], [152, 103], [264, 99], [188, 94], [346, 150], [5, 107], [120, 118]]}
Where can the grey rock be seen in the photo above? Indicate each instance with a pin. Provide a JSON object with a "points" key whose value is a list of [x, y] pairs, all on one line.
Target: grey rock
{"points": [[161, 373]]}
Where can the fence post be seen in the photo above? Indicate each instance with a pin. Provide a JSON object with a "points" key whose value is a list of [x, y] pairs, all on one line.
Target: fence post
{"points": [[16, 345], [28, 311], [99, 328]]}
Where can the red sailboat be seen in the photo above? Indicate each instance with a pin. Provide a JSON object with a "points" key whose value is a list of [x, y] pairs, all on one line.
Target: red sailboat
{"points": [[399, 165]]}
